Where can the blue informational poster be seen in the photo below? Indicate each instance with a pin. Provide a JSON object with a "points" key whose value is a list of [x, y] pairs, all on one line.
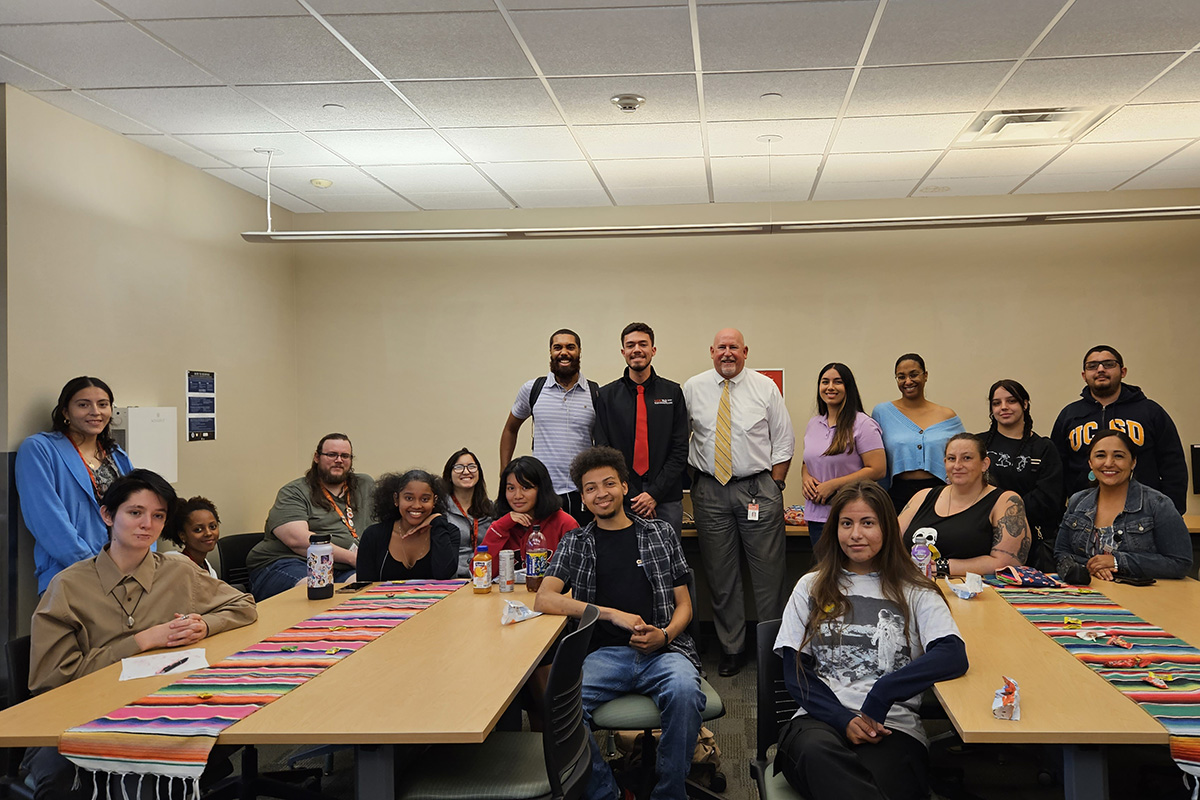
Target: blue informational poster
{"points": [[201, 406]]}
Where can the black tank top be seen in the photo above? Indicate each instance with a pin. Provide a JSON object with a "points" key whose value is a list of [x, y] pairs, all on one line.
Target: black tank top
{"points": [[966, 534]]}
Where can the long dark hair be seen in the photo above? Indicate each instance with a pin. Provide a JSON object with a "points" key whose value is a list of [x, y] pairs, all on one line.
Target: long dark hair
{"points": [[175, 528], [896, 569], [313, 476], [391, 484], [843, 436], [1017, 391], [58, 421], [532, 474], [481, 504]]}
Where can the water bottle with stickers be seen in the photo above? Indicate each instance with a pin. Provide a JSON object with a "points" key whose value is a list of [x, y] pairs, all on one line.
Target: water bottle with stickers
{"points": [[320, 566]]}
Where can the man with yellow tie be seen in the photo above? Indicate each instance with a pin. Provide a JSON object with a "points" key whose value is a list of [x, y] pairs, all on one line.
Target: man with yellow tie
{"points": [[741, 447]]}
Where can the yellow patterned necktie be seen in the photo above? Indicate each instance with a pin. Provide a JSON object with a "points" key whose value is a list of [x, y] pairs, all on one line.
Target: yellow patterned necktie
{"points": [[723, 456]]}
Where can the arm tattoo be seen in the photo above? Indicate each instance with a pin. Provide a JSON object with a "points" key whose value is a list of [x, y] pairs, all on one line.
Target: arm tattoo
{"points": [[1013, 523]]}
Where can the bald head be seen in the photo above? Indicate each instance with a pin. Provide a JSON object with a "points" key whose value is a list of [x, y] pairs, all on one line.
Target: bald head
{"points": [[729, 352]]}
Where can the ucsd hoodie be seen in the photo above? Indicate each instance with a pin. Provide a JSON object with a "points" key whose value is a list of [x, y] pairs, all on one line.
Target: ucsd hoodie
{"points": [[1160, 461]]}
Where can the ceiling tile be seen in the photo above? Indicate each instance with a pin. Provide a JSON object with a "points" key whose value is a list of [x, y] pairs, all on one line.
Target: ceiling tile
{"points": [[389, 147], [99, 54], [18, 13], [661, 196], [453, 45], [1159, 178], [462, 200], [883, 167], [800, 137], [1044, 183], [1119, 26], [575, 176], [298, 181], [560, 198], [640, 141], [669, 98], [480, 104], [1159, 121], [293, 149], [986, 162], [862, 190], [516, 144], [384, 202], [177, 150], [754, 179], [925, 89], [967, 187], [1079, 81], [26, 80], [1180, 85], [878, 134], [203, 109], [263, 50], [608, 40], [84, 108], [186, 9], [432, 178], [552, 5], [783, 35], [257, 187], [1115, 157], [1189, 158], [653, 172], [365, 106], [739, 95], [326, 7], [926, 31]]}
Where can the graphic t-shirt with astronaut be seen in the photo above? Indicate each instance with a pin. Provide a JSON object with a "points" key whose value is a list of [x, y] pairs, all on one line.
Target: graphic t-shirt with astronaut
{"points": [[868, 642]]}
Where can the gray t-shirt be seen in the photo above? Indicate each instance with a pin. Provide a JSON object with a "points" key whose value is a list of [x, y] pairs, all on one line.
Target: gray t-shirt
{"points": [[294, 503]]}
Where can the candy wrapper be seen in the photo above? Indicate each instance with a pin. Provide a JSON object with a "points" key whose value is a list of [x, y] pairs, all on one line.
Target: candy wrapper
{"points": [[515, 611], [1090, 635], [793, 515], [1007, 703], [971, 586]]}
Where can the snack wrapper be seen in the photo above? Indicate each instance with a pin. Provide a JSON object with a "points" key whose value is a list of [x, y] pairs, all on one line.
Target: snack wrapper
{"points": [[1072, 622], [971, 586], [1007, 703], [1089, 635], [1117, 641], [515, 611]]}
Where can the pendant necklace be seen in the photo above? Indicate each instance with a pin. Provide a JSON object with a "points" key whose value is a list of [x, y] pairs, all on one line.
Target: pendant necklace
{"points": [[128, 613]]}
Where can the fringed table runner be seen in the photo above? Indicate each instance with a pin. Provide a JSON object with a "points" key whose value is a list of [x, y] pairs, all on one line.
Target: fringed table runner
{"points": [[169, 734], [1158, 671]]}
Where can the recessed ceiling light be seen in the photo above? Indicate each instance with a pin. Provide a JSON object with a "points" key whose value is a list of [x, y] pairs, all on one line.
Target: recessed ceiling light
{"points": [[321, 183], [333, 108], [771, 97], [628, 103]]}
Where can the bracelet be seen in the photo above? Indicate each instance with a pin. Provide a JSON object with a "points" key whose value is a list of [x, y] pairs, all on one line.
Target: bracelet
{"points": [[666, 637], [943, 567]]}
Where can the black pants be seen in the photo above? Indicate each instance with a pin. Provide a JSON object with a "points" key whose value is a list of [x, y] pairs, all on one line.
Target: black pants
{"points": [[572, 503], [820, 763]]}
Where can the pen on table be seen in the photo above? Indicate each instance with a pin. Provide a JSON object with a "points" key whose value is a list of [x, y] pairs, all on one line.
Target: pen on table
{"points": [[172, 665]]}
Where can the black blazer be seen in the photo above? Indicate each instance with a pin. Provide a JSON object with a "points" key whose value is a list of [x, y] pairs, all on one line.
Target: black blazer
{"points": [[667, 428]]}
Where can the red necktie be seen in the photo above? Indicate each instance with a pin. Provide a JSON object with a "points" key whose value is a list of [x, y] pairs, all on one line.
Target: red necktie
{"points": [[641, 436]]}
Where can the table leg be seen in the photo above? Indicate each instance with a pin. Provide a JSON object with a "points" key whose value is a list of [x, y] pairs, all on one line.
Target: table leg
{"points": [[1085, 772], [375, 772]]}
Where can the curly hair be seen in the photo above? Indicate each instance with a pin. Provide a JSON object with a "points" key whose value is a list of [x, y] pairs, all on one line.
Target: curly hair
{"points": [[596, 458], [175, 529], [391, 484]]}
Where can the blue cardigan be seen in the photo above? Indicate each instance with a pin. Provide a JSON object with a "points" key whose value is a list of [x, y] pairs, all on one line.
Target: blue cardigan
{"points": [[58, 504], [910, 447]]}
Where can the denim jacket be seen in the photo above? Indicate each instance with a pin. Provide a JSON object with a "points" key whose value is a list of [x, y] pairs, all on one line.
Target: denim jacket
{"points": [[1152, 540]]}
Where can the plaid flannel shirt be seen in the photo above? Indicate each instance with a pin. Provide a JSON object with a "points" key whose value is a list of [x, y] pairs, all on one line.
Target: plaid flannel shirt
{"points": [[574, 563]]}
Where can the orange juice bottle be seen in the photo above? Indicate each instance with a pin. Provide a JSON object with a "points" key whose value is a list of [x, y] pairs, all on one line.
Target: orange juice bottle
{"points": [[481, 570]]}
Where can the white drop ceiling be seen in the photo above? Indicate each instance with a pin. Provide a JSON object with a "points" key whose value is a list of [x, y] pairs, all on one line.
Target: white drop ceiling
{"points": [[408, 105]]}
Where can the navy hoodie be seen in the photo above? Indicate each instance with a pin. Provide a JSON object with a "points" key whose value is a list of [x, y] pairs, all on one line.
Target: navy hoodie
{"points": [[1160, 461]]}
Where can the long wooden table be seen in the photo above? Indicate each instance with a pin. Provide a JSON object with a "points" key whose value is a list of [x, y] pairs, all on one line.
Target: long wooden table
{"points": [[1063, 702], [443, 676]]}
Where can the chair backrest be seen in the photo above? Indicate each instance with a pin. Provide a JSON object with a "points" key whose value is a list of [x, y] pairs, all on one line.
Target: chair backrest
{"points": [[775, 704], [565, 736], [232, 551], [16, 651]]}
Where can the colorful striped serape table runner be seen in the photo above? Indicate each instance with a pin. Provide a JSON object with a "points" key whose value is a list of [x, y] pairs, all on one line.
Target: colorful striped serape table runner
{"points": [[169, 734], [1159, 672]]}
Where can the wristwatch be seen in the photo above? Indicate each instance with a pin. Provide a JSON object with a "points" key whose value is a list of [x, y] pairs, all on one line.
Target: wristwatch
{"points": [[781, 484]]}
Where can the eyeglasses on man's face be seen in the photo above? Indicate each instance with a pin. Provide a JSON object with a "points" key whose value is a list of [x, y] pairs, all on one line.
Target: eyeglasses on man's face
{"points": [[339, 456], [1092, 366]]}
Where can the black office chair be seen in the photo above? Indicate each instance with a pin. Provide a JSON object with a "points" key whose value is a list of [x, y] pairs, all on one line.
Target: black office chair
{"points": [[775, 707], [554, 765], [638, 712], [232, 552], [16, 652]]}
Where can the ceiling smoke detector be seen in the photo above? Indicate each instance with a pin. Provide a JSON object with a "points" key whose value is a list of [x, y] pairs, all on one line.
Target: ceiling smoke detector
{"points": [[628, 103], [998, 128]]}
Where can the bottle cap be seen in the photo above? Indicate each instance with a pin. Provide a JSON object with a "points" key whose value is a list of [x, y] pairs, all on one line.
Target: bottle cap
{"points": [[482, 548], [320, 538]]}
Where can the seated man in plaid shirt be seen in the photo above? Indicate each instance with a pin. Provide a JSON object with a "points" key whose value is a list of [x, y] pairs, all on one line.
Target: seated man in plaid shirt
{"points": [[634, 570]]}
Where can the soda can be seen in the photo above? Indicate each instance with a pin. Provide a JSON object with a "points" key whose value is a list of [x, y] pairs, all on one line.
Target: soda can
{"points": [[508, 570]]}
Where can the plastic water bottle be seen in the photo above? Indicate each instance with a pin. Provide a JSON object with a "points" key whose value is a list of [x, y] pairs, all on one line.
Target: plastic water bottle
{"points": [[537, 557], [320, 566]]}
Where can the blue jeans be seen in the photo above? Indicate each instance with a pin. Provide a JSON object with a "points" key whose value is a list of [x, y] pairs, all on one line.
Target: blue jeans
{"points": [[284, 573], [673, 683], [814, 532]]}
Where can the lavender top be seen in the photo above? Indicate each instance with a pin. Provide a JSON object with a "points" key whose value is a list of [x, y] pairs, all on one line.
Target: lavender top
{"points": [[817, 436]]}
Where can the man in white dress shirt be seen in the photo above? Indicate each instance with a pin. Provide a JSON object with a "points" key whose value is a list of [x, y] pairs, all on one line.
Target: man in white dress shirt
{"points": [[741, 447]]}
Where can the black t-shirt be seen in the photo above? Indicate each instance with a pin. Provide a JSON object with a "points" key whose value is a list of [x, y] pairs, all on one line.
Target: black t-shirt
{"points": [[621, 583]]}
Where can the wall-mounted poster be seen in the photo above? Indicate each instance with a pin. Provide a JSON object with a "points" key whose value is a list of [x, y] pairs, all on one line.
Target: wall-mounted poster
{"points": [[775, 375], [201, 406]]}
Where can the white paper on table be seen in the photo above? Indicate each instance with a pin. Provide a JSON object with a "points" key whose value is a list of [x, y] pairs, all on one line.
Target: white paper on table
{"points": [[147, 666], [974, 582]]}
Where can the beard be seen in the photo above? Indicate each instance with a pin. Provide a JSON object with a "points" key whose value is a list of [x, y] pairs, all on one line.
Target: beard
{"points": [[329, 479], [616, 509], [569, 370]]}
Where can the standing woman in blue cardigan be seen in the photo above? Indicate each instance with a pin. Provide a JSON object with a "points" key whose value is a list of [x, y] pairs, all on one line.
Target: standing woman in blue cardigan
{"points": [[62, 474]]}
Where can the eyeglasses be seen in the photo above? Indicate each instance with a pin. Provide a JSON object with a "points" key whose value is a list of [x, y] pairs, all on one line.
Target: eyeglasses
{"points": [[1092, 366], [460, 468], [339, 456]]}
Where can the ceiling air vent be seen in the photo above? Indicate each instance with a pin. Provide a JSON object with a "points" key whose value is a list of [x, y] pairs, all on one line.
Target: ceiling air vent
{"points": [[1029, 126]]}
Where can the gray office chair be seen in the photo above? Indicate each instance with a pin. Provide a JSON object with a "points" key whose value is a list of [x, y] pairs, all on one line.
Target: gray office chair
{"points": [[554, 765], [231, 553], [775, 707]]}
